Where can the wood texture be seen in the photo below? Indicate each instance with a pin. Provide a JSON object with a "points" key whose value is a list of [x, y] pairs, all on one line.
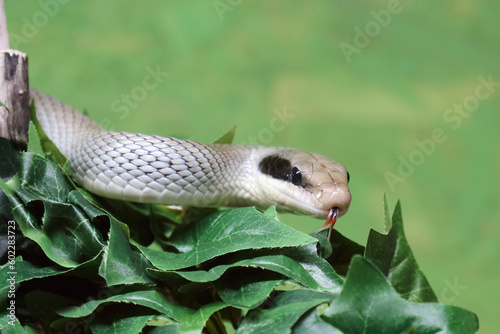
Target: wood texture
{"points": [[14, 94]]}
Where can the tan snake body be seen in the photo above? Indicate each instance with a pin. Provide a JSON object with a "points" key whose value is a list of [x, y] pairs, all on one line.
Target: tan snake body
{"points": [[153, 169]]}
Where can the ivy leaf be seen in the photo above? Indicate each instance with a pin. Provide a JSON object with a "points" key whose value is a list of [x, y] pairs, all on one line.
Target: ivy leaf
{"points": [[227, 138], [12, 326], [24, 272], [121, 264], [188, 319], [243, 283], [63, 224], [288, 308], [391, 253], [311, 322], [247, 289], [56, 245], [121, 319], [145, 221], [34, 145], [368, 304], [339, 250], [225, 232], [44, 178], [300, 264], [36, 302]]}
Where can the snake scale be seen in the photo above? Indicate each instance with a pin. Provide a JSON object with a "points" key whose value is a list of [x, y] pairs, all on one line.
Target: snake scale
{"points": [[164, 170]]}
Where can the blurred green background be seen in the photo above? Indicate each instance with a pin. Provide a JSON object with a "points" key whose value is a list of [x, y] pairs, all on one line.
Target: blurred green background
{"points": [[367, 83]]}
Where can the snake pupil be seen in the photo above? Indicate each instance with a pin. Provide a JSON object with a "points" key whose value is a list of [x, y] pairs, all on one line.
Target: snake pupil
{"points": [[295, 176], [348, 177]]}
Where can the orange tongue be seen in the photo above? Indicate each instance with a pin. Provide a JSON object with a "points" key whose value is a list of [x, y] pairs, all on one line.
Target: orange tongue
{"points": [[331, 220]]}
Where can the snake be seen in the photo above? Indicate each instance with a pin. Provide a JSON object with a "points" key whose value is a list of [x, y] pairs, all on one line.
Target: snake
{"points": [[153, 169]]}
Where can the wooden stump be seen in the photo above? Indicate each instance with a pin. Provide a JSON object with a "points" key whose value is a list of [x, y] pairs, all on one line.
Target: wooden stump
{"points": [[14, 95]]}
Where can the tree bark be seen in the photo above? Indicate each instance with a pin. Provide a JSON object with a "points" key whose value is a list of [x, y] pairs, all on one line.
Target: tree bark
{"points": [[14, 90], [4, 36]]}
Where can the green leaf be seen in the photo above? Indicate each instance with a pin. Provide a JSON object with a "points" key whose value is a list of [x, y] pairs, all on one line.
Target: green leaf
{"points": [[145, 221], [247, 289], [113, 324], [301, 264], [121, 318], [67, 231], [36, 301], [44, 178], [368, 304], [188, 319], [56, 245], [121, 264], [244, 286], [34, 145], [167, 329], [227, 138], [339, 250], [225, 232], [289, 306], [391, 253], [10, 325], [151, 299], [25, 271], [311, 323]]}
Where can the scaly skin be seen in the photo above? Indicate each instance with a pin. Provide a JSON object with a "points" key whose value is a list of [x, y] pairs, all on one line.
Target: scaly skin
{"points": [[153, 169]]}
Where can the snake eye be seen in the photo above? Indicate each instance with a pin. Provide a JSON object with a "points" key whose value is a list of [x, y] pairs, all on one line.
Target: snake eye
{"points": [[295, 176], [348, 177]]}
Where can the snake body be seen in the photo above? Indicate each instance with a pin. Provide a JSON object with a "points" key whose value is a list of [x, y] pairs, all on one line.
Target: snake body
{"points": [[152, 169]]}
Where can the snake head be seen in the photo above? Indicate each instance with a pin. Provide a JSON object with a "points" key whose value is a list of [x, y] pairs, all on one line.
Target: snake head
{"points": [[305, 183]]}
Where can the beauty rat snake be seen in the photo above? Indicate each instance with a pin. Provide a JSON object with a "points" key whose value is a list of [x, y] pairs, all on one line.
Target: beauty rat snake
{"points": [[164, 170]]}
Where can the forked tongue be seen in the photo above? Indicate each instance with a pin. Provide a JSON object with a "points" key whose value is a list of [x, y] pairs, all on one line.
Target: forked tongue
{"points": [[331, 220]]}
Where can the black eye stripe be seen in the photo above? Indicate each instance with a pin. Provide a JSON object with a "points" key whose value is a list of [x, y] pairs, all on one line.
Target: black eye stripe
{"points": [[276, 167], [348, 177], [281, 169]]}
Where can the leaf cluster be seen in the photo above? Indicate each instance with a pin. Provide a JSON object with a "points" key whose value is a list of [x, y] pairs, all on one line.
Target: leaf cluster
{"points": [[92, 265]]}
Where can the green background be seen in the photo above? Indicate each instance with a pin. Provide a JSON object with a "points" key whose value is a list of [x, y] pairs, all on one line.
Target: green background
{"points": [[240, 62]]}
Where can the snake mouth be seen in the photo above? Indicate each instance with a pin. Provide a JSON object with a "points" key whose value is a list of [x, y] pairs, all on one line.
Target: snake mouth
{"points": [[331, 220]]}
